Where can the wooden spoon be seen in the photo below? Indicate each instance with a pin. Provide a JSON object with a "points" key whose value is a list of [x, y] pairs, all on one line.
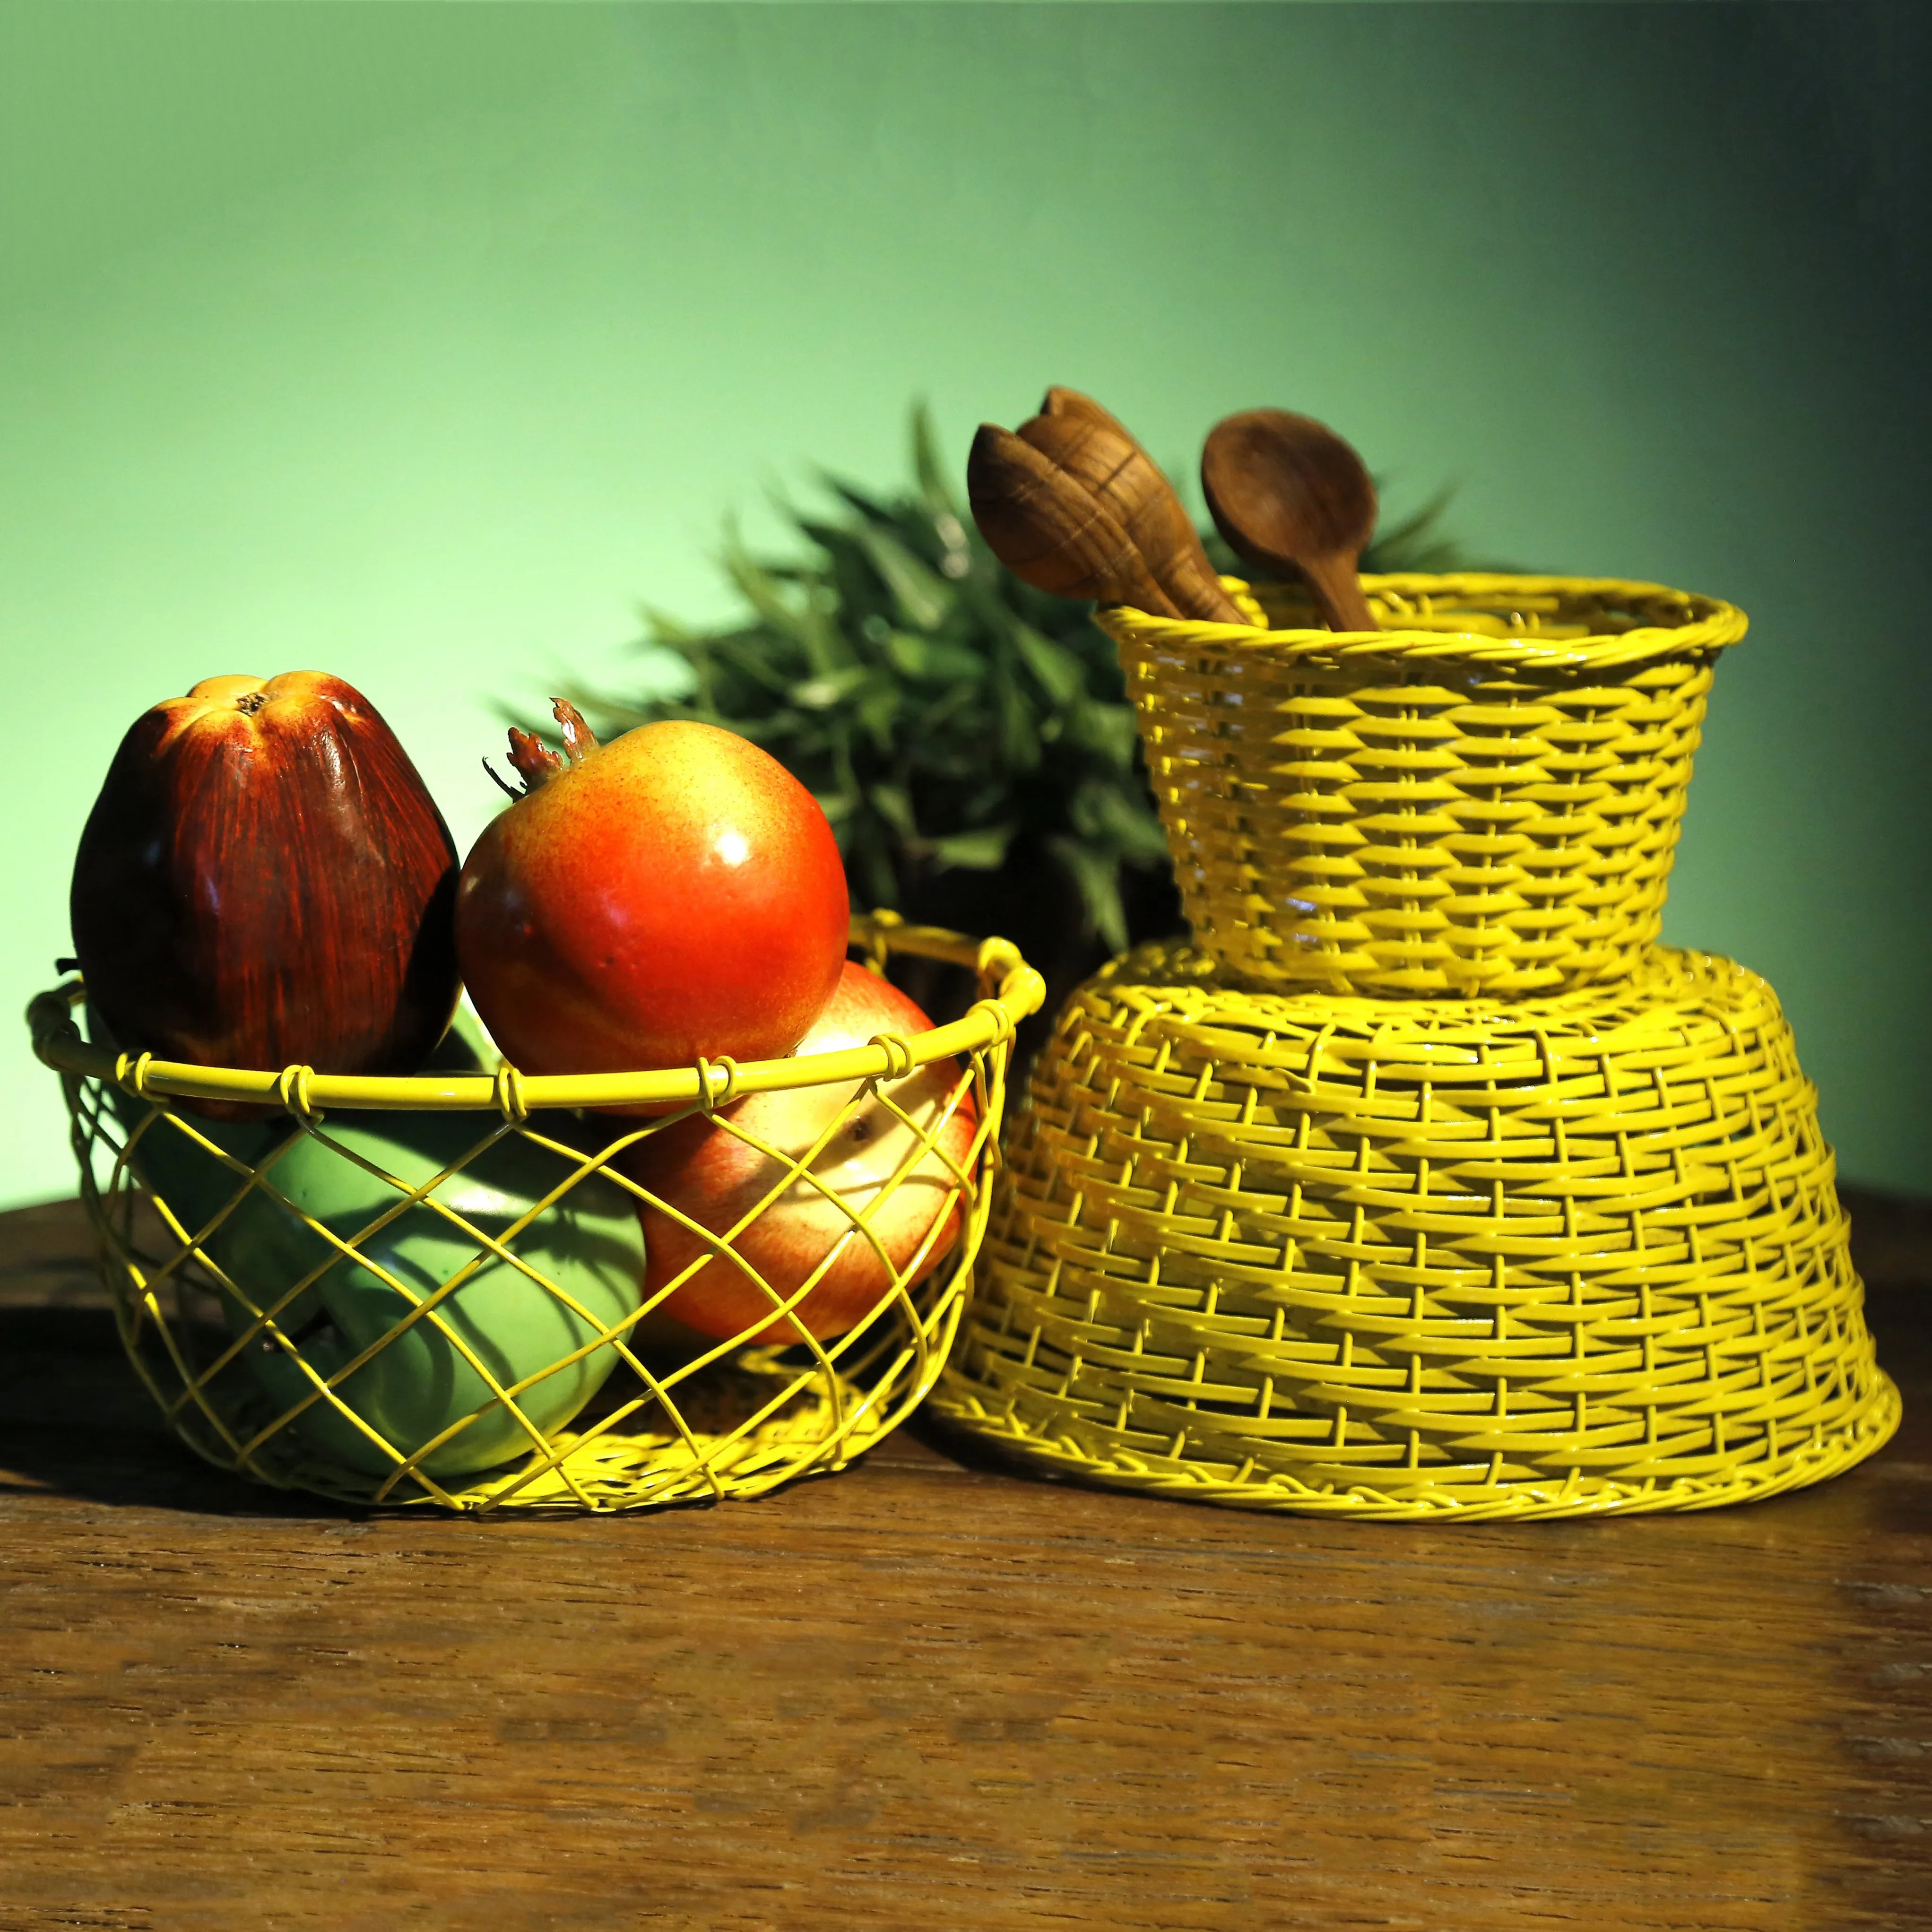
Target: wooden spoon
{"points": [[1097, 451], [1294, 499], [1046, 529]]}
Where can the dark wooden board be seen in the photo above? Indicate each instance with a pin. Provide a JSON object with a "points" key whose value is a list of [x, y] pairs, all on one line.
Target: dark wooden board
{"points": [[929, 1692]]}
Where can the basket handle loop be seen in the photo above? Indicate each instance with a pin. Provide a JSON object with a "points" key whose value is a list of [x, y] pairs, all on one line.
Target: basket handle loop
{"points": [[899, 1060], [997, 957], [510, 1101], [292, 1089], [711, 1099], [131, 1073], [882, 919], [1002, 1020]]}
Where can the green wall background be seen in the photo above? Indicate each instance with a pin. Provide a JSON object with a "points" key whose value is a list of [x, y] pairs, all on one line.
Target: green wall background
{"points": [[421, 343]]}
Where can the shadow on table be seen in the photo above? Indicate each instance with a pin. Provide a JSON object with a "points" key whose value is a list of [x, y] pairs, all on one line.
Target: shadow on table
{"points": [[76, 1421]]}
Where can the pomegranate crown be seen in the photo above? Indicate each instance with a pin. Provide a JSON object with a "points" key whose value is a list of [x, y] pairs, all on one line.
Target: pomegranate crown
{"points": [[534, 762]]}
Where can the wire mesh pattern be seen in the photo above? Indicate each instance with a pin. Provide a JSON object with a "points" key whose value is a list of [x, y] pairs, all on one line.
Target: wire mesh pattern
{"points": [[1417, 1258], [433, 1290], [1485, 797]]}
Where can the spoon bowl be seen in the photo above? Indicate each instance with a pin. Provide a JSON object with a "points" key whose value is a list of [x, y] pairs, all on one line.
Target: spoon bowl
{"points": [[1294, 500], [1045, 528]]}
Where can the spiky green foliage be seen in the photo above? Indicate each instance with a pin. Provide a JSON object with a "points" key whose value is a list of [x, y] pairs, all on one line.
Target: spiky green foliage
{"points": [[946, 715], [939, 709]]}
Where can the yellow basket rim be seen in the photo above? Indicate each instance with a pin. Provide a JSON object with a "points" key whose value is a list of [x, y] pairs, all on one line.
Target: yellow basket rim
{"points": [[1018, 993], [1709, 625]]}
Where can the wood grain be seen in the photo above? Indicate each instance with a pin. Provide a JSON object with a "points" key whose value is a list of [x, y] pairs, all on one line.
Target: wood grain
{"points": [[1292, 499], [1095, 448], [1048, 531], [925, 1693]]}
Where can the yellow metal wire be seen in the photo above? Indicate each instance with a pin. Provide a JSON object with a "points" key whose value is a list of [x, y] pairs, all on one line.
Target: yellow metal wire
{"points": [[720, 1421], [1422, 1258], [301, 1090], [1483, 798]]}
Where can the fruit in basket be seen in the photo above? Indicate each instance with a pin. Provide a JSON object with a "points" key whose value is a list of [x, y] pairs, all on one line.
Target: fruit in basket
{"points": [[674, 893], [196, 1184], [425, 1379], [704, 1172], [265, 881]]}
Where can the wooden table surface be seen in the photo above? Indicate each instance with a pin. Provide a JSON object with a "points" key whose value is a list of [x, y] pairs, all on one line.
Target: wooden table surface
{"points": [[923, 1694]]}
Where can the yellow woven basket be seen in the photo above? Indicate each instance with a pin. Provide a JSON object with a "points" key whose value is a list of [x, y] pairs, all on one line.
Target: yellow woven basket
{"points": [[1484, 797], [477, 1272], [1425, 1184], [1422, 1258]]}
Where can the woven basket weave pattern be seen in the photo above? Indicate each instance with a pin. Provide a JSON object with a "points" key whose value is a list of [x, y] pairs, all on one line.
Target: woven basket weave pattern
{"points": [[1491, 1257], [1492, 808], [1424, 1184]]}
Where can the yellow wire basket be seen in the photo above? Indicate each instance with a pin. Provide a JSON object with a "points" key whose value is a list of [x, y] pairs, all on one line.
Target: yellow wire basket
{"points": [[433, 1290], [1453, 1258], [1484, 797]]}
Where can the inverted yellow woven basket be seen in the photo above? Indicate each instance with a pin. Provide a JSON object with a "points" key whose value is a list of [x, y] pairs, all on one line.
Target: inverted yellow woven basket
{"points": [[1484, 797], [1413, 1258], [465, 1323]]}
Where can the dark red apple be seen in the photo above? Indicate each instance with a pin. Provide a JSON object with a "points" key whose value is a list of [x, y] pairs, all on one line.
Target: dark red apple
{"points": [[674, 893], [265, 881], [708, 1175]]}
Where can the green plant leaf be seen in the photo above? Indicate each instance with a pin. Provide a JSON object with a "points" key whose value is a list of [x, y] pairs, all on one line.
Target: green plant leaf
{"points": [[1098, 880], [892, 804], [947, 716], [1108, 817], [822, 693], [878, 710], [984, 851], [932, 659], [868, 507], [1419, 542], [923, 597], [927, 467], [1109, 731], [1019, 732], [1061, 675]]}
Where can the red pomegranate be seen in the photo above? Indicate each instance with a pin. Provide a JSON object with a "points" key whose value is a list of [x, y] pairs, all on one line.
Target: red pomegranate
{"points": [[706, 1174], [673, 894]]}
